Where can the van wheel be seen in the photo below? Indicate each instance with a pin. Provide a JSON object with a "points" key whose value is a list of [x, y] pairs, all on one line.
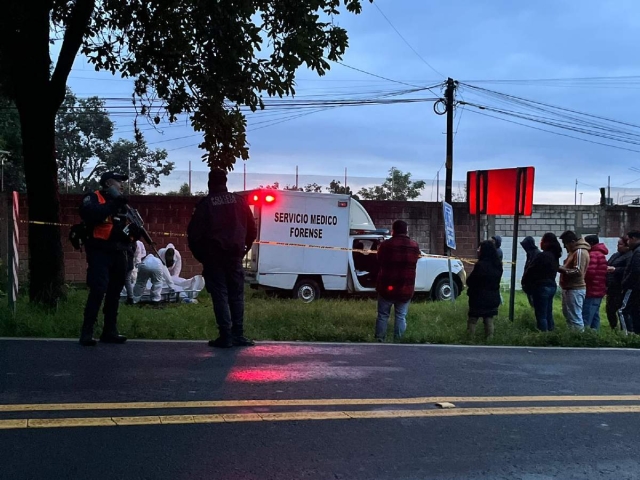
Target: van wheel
{"points": [[442, 289], [306, 290]]}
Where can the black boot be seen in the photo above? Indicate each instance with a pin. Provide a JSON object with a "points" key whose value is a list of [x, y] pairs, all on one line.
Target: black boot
{"points": [[86, 337], [242, 341], [112, 336], [221, 342]]}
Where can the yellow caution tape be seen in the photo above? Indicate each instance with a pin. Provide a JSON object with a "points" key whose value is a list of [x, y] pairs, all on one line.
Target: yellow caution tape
{"points": [[470, 261]]}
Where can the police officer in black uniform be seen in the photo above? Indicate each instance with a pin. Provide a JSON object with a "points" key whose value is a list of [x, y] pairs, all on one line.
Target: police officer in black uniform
{"points": [[221, 231], [107, 246]]}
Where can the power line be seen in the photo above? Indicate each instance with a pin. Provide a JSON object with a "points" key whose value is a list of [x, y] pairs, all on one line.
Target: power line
{"points": [[381, 77], [554, 133], [552, 106], [375, 4]]}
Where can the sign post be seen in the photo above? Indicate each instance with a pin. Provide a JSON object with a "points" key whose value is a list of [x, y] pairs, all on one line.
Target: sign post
{"points": [[450, 237]]}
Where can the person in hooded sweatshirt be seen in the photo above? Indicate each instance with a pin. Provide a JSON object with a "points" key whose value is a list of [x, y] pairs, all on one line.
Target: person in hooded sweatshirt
{"points": [[596, 280], [540, 280], [531, 249], [572, 273], [615, 272], [483, 289], [497, 240]]}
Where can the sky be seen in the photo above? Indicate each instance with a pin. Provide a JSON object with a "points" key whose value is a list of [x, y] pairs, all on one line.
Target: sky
{"points": [[478, 43]]}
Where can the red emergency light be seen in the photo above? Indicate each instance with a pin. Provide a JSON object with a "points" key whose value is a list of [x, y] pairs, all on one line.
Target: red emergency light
{"points": [[257, 198]]}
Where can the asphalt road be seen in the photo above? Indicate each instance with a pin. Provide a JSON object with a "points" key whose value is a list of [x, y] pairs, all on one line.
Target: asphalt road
{"points": [[314, 411]]}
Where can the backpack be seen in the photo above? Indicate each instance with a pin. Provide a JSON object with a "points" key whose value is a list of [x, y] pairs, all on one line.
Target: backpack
{"points": [[78, 235]]}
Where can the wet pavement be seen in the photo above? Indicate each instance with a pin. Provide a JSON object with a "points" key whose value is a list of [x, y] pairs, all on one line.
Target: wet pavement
{"points": [[293, 410]]}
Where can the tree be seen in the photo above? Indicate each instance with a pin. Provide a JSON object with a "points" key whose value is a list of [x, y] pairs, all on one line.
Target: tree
{"points": [[144, 165], [460, 195], [10, 141], [202, 58], [336, 187], [397, 186], [292, 188], [183, 191], [83, 134], [273, 186], [313, 188]]}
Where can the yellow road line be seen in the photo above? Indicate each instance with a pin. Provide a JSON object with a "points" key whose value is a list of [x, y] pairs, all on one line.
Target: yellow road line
{"points": [[310, 402], [303, 416], [69, 422]]}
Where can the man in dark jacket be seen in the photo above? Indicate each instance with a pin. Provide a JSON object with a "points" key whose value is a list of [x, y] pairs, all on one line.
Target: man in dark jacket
{"points": [[631, 285], [615, 271], [397, 259], [531, 249], [221, 231], [109, 240]]}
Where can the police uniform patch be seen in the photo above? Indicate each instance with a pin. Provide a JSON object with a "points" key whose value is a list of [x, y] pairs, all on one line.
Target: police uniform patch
{"points": [[86, 200]]}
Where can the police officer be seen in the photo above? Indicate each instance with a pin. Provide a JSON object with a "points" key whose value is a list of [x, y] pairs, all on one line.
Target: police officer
{"points": [[221, 231], [104, 212]]}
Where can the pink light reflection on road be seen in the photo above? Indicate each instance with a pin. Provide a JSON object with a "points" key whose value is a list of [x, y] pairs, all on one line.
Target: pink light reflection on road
{"points": [[304, 371]]}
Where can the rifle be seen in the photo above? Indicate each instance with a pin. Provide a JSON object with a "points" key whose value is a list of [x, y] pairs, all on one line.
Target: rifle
{"points": [[134, 218]]}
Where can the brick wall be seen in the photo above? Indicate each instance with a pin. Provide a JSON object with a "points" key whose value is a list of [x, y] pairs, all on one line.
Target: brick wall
{"points": [[426, 224], [160, 214], [172, 214], [584, 219]]}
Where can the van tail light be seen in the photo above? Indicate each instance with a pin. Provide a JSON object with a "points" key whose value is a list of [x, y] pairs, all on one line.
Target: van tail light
{"points": [[260, 197]]}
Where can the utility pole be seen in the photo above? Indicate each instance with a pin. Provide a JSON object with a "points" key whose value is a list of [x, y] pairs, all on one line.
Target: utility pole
{"points": [[580, 198], [608, 190], [449, 95], [189, 177], [438, 186], [575, 195]]}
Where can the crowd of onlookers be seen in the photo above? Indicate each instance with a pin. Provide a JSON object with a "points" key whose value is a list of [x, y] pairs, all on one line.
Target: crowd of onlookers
{"points": [[586, 277]]}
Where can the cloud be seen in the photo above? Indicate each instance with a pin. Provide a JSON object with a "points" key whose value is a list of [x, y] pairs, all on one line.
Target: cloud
{"points": [[484, 40]]}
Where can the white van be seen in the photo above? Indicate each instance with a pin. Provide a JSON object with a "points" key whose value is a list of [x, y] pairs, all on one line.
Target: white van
{"points": [[304, 246]]}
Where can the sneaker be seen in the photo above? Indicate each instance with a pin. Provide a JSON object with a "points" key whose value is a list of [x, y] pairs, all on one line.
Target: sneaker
{"points": [[221, 342], [243, 342]]}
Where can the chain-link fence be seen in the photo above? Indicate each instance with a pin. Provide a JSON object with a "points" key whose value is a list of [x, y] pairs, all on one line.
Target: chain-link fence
{"points": [[195, 181]]}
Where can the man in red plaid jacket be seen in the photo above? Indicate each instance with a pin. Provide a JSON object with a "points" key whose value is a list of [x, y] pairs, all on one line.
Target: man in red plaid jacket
{"points": [[397, 259]]}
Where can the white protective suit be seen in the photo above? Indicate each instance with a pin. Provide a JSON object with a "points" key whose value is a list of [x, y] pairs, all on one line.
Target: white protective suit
{"points": [[130, 280], [176, 268], [152, 270]]}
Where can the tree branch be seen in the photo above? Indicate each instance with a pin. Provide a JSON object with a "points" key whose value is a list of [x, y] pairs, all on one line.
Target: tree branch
{"points": [[73, 36]]}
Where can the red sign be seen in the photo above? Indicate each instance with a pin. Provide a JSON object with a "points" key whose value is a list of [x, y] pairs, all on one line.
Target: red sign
{"points": [[506, 191]]}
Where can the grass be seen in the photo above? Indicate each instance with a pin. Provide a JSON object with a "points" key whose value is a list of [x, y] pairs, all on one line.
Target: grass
{"points": [[350, 320]]}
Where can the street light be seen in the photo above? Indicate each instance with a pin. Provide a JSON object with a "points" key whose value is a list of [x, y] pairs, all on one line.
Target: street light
{"points": [[581, 198], [3, 153]]}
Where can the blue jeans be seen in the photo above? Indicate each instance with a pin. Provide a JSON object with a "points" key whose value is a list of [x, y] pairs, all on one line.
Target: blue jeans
{"points": [[591, 313], [572, 302], [400, 320], [542, 298]]}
